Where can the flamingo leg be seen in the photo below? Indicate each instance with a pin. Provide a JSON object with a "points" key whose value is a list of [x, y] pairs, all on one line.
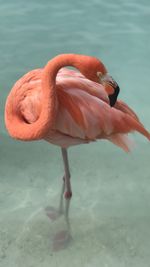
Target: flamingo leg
{"points": [[63, 238], [61, 207], [53, 213], [68, 191]]}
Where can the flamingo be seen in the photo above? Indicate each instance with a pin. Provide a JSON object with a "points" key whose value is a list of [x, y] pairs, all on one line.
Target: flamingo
{"points": [[68, 107]]}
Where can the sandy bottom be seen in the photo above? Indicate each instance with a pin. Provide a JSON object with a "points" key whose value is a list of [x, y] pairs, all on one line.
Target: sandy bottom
{"points": [[110, 208]]}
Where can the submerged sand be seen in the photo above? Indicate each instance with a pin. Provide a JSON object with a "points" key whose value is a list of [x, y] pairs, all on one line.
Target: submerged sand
{"points": [[109, 211]]}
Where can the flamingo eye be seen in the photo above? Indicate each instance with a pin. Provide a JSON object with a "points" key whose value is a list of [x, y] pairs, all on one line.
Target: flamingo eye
{"points": [[99, 75]]}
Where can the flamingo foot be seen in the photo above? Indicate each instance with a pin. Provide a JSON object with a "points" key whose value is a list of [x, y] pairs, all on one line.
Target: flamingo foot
{"points": [[52, 213], [61, 240]]}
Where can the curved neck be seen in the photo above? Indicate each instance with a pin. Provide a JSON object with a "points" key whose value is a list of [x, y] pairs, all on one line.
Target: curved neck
{"points": [[53, 66], [85, 64]]}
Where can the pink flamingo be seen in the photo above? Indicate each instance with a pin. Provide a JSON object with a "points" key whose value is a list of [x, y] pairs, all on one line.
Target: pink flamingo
{"points": [[67, 107]]}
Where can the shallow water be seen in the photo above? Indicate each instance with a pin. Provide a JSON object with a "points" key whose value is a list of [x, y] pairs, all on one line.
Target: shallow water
{"points": [[111, 190]]}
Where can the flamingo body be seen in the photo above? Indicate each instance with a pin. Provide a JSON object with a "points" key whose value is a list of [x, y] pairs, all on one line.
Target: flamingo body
{"points": [[83, 110]]}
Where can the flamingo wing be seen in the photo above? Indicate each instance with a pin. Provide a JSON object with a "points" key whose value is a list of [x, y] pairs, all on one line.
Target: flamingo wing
{"points": [[84, 113]]}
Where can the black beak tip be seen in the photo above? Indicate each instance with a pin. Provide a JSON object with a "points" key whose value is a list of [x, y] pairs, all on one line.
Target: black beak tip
{"points": [[113, 97], [112, 100]]}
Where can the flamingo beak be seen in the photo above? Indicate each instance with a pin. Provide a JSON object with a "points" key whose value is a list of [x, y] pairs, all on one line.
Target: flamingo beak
{"points": [[113, 97], [111, 87]]}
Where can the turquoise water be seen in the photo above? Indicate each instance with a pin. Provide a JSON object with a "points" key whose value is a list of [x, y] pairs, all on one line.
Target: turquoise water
{"points": [[111, 190]]}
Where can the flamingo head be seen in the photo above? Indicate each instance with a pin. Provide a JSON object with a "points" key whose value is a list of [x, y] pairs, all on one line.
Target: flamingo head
{"points": [[110, 85], [93, 69]]}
